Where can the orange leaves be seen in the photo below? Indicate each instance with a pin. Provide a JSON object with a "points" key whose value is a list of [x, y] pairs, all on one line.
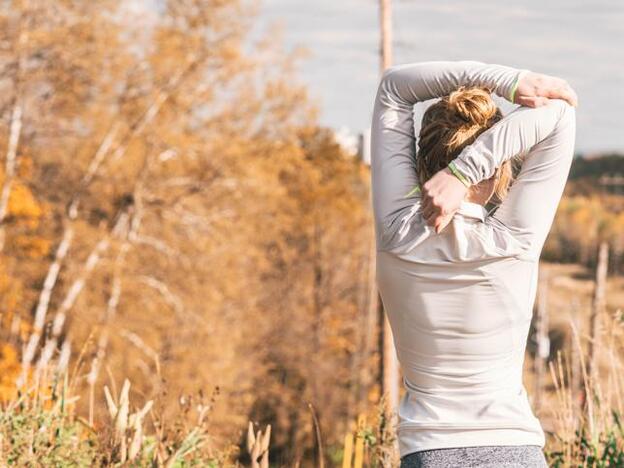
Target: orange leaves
{"points": [[24, 215], [583, 221], [246, 233], [33, 247], [9, 371], [23, 206], [11, 298]]}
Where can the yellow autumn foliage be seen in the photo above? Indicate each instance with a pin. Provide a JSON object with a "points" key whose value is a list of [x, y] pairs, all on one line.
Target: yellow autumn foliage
{"points": [[581, 223], [33, 247], [24, 205], [9, 371]]}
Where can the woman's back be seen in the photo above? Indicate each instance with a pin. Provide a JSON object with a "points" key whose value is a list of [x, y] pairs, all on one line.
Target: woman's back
{"points": [[460, 332], [460, 302]]}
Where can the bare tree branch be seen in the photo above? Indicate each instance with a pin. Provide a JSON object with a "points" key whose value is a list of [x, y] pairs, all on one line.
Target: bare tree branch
{"points": [[9, 167]]}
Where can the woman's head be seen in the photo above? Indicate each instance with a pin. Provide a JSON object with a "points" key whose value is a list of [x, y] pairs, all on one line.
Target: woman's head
{"points": [[451, 124]]}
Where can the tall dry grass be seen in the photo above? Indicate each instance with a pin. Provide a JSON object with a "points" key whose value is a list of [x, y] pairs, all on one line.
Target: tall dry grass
{"points": [[588, 417], [40, 427]]}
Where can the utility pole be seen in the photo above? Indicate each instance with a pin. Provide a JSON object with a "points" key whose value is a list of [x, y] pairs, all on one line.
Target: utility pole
{"points": [[388, 359], [386, 34]]}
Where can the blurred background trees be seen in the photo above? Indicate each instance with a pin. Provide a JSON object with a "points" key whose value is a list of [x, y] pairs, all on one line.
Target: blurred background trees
{"points": [[176, 215], [591, 211], [172, 212]]}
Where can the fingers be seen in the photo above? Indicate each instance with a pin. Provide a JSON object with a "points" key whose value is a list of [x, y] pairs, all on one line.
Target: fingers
{"points": [[433, 213], [441, 197], [532, 101], [429, 213], [437, 224], [428, 207], [535, 89], [537, 101], [441, 222], [568, 94], [562, 90], [429, 217], [433, 219]]}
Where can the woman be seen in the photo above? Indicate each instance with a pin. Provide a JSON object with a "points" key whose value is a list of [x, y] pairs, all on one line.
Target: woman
{"points": [[457, 282]]}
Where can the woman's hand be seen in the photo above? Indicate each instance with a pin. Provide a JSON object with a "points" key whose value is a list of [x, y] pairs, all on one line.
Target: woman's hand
{"points": [[442, 195], [535, 89]]}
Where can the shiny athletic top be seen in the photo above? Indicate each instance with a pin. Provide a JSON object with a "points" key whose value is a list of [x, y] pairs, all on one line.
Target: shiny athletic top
{"points": [[460, 302]]}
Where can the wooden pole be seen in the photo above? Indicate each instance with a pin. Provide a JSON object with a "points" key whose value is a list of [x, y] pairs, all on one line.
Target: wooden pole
{"points": [[389, 363], [386, 34], [598, 308], [577, 373]]}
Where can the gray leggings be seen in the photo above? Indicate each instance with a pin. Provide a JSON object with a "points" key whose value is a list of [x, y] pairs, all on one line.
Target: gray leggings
{"points": [[487, 456]]}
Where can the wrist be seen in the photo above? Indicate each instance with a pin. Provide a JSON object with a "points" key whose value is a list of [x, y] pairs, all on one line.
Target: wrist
{"points": [[451, 166], [514, 87]]}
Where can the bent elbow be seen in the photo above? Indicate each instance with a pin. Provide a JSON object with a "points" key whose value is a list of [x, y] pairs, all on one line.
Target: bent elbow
{"points": [[567, 112], [385, 90], [565, 127], [385, 75], [388, 79]]}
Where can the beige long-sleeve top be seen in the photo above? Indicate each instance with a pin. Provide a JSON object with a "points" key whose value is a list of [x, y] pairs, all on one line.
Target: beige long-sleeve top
{"points": [[460, 302]]}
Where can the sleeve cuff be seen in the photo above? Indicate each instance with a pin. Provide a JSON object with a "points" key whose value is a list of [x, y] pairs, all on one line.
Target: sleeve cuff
{"points": [[457, 173], [465, 164], [511, 95]]}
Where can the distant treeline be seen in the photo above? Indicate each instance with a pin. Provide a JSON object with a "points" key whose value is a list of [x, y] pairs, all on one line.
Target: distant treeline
{"points": [[602, 174], [596, 166], [592, 210]]}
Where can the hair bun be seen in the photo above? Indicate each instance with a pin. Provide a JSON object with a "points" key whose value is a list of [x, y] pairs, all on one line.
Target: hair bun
{"points": [[451, 124], [475, 106]]}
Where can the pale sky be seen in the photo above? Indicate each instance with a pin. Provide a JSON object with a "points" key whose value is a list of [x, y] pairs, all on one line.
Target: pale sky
{"points": [[581, 41]]}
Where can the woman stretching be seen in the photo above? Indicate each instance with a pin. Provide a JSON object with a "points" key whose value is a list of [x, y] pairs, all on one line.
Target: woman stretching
{"points": [[457, 282]]}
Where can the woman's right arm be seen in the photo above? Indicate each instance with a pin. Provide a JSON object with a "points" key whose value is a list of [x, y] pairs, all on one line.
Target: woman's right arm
{"points": [[442, 194], [546, 137]]}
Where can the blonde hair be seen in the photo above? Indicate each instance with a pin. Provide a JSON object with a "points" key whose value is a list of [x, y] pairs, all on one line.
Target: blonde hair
{"points": [[453, 123]]}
